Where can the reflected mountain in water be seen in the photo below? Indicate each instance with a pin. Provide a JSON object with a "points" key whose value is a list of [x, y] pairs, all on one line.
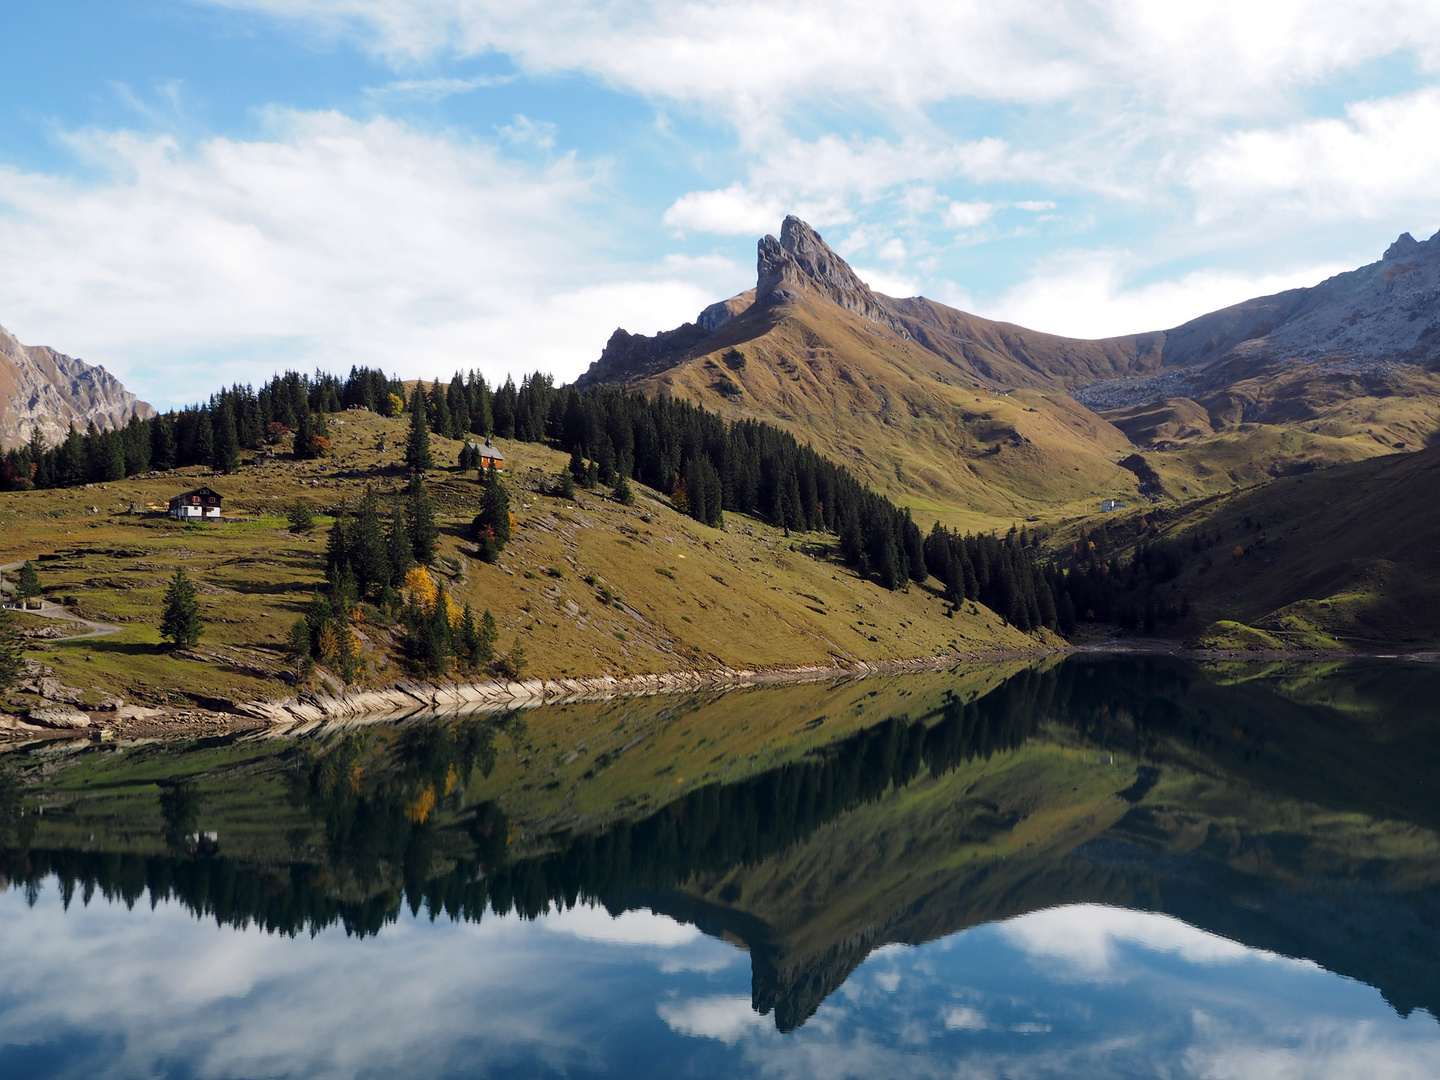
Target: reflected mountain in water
{"points": [[1283, 807]]}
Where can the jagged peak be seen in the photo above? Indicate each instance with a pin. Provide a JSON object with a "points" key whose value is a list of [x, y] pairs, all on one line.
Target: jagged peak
{"points": [[801, 262], [1404, 245]]}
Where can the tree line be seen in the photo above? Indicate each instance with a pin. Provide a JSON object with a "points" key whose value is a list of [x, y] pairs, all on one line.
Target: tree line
{"points": [[381, 804]]}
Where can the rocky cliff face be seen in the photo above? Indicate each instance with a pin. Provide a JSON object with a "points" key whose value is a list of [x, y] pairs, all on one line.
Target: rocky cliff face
{"points": [[801, 263], [41, 388], [1386, 311]]}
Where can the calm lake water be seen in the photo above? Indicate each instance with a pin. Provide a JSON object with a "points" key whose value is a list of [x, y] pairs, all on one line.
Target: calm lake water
{"points": [[1098, 867]]}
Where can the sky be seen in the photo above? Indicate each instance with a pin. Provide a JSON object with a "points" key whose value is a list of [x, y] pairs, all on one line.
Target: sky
{"points": [[198, 192], [95, 989]]}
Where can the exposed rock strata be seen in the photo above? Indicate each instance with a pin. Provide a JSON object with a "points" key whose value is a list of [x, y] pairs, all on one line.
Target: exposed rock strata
{"points": [[42, 388]]}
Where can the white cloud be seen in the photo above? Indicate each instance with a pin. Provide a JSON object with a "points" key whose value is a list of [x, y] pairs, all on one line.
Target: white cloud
{"points": [[963, 1018], [436, 89], [732, 211], [627, 928], [330, 242], [1035, 206], [966, 215], [725, 1018], [522, 130], [887, 283], [734, 55], [1090, 294], [1086, 935], [1381, 157]]}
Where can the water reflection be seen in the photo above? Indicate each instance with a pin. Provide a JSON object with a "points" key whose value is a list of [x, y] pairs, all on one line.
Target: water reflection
{"points": [[1224, 839]]}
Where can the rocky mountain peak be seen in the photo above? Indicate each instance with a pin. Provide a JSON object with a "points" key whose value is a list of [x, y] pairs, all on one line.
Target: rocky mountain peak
{"points": [[800, 262], [1404, 244], [44, 390]]}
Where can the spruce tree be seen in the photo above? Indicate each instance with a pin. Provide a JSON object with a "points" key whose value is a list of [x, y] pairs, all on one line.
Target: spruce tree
{"points": [[304, 434], [11, 660], [417, 446], [623, 495], [397, 544], [226, 455], [440, 423], [180, 621], [162, 442], [370, 555], [203, 450], [420, 521], [489, 634], [493, 521], [28, 587]]}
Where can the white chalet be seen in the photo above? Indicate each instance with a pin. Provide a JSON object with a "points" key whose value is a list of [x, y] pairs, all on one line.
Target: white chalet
{"points": [[201, 502]]}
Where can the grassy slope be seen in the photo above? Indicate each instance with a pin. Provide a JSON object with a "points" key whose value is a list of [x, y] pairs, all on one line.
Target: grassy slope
{"points": [[692, 597], [924, 431], [1350, 554]]}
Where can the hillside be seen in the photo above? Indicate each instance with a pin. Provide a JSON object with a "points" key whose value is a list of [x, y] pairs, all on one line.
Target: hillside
{"points": [[981, 424], [968, 433], [592, 587], [1350, 555], [44, 389]]}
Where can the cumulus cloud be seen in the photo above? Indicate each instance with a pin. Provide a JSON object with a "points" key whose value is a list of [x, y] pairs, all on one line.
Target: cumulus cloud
{"points": [[1093, 294], [967, 215], [1086, 935], [726, 1018], [330, 241], [739, 57], [1382, 156], [627, 928]]}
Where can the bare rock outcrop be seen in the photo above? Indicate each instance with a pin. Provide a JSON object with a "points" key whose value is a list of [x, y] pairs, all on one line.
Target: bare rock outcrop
{"points": [[47, 390]]}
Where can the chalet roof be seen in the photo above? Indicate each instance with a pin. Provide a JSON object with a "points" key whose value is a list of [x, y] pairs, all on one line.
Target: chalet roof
{"points": [[489, 450], [203, 492]]}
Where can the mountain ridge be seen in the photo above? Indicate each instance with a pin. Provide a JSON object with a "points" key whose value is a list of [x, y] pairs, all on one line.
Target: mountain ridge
{"points": [[45, 389], [991, 421]]}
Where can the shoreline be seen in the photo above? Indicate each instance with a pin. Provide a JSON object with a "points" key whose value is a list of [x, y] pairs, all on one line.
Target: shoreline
{"points": [[407, 699]]}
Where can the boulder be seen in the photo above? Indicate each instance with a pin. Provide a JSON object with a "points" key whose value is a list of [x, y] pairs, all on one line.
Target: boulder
{"points": [[59, 717]]}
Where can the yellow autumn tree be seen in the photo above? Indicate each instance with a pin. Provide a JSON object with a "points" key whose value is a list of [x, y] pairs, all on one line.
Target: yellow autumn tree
{"points": [[422, 588]]}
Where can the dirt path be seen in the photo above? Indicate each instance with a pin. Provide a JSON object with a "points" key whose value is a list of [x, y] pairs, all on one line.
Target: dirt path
{"points": [[48, 610]]}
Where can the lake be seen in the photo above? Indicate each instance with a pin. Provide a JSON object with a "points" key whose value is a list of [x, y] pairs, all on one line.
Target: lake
{"points": [[1095, 866]]}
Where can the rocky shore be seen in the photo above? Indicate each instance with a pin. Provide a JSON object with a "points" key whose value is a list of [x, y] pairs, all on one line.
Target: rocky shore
{"points": [[407, 700]]}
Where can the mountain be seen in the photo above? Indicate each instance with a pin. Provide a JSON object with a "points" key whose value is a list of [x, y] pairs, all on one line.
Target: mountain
{"points": [[951, 411], [1357, 354], [42, 388]]}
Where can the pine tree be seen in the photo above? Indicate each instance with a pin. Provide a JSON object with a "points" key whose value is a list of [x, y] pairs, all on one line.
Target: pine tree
{"points": [[420, 520], [417, 446], [28, 586], [180, 621], [226, 455], [397, 544], [162, 442], [299, 647], [304, 435], [203, 450], [493, 521], [623, 495], [370, 555], [301, 519], [489, 634], [441, 422], [469, 638], [11, 660]]}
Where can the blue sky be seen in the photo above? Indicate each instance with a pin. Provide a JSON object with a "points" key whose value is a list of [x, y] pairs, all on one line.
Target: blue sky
{"points": [[194, 191], [100, 990]]}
